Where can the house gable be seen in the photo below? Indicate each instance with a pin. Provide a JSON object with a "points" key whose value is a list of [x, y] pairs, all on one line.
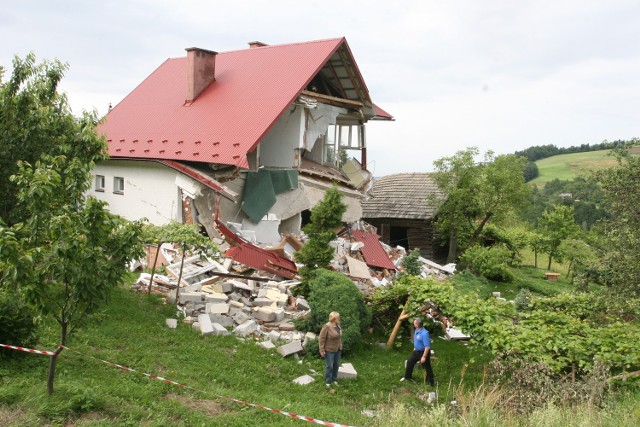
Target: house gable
{"points": [[252, 89]]}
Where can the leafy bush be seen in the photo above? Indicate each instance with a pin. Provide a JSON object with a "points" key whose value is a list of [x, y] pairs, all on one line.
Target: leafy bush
{"points": [[523, 300], [330, 291], [386, 304], [411, 264], [17, 326], [492, 263]]}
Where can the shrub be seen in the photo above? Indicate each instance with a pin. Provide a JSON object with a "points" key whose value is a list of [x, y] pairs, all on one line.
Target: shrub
{"points": [[492, 263], [17, 326], [411, 264], [523, 300], [331, 291]]}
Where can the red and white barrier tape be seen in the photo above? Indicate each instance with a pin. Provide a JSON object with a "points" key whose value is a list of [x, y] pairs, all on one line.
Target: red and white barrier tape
{"points": [[30, 350], [277, 411]]}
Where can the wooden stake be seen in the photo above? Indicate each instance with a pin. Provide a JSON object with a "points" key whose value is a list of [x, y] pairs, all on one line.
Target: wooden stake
{"points": [[396, 328]]}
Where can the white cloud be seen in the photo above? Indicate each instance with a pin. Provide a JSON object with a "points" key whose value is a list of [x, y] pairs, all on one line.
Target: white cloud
{"points": [[499, 74]]}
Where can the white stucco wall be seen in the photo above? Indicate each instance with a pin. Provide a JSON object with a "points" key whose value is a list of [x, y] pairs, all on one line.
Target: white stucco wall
{"points": [[278, 147], [150, 190]]}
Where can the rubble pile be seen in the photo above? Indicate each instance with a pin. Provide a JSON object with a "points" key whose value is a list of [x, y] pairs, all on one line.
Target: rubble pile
{"points": [[253, 298], [214, 303]]}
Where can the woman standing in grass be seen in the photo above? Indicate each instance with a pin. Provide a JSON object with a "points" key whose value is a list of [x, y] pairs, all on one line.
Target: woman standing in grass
{"points": [[331, 348]]}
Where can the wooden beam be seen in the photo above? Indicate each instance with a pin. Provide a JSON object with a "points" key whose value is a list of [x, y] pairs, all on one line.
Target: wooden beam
{"points": [[341, 102]]}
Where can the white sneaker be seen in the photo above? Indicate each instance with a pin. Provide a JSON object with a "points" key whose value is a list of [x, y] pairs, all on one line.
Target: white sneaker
{"points": [[335, 383], [328, 385], [403, 379]]}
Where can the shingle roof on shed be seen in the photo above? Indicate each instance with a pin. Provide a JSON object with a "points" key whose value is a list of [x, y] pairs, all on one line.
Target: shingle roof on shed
{"points": [[402, 195]]}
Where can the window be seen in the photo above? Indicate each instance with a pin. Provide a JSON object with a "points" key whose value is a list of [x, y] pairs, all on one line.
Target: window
{"points": [[339, 139], [99, 183], [118, 185]]}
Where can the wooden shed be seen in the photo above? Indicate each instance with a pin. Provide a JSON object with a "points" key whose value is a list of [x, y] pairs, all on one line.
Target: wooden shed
{"points": [[401, 207]]}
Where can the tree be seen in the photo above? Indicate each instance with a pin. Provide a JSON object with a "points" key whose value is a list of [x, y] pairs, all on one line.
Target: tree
{"points": [[475, 193], [557, 225], [326, 218], [67, 252], [34, 121], [621, 185], [578, 253]]}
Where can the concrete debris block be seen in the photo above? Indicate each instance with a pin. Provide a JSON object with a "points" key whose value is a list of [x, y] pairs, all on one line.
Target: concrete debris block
{"points": [[246, 328], [496, 294], [226, 287], [172, 323], [206, 327], [235, 304], [191, 288], [297, 335], [217, 308], [304, 380], [456, 334], [275, 295], [195, 326], [501, 299], [171, 298], [293, 347], [222, 319], [219, 330], [302, 304], [309, 336], [286, 326], [356, 246], [265, 314], [241, 317], [267, 345], [246, 301], [233, 310], [274, 336], [241, 285], [346, 371], [216, 288], [227, 263], [216, 297], [262, 302], [190, 297], [234, 296]]}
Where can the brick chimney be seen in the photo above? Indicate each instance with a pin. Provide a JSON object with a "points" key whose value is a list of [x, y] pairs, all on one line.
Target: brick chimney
{"points": [[201, 65], [257, 44]]}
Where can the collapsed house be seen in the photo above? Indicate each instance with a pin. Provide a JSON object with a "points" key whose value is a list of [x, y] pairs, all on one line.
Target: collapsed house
{"points": [[252, 137]]}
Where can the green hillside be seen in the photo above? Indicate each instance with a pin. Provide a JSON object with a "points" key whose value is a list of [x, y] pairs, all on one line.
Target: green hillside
{"points": [[569, 166]]}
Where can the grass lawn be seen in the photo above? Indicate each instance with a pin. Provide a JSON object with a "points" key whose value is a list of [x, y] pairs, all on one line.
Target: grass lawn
{"points": [[131, 332]]}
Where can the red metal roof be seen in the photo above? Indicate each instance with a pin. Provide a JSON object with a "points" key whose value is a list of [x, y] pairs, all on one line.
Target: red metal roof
{"points": [[381, 114], [373, 252], [261, 259], [252, 89]]}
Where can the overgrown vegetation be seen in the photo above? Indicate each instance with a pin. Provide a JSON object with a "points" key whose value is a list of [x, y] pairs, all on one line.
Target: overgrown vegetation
{"points": [[331, 291]]}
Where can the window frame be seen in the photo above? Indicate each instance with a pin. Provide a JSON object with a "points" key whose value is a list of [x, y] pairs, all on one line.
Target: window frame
{"points": [[118, 185]]}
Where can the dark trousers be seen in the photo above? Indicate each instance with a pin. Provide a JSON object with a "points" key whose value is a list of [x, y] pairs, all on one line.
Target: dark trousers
{"points": [[414, 358]]}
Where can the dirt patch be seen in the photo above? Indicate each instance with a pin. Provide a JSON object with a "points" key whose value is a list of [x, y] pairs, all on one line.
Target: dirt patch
{"points": [[86, 418], [210, 408], [14, 417]]}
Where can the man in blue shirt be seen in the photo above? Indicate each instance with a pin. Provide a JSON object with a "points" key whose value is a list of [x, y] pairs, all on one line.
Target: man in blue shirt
{"points": [[422, 352]]}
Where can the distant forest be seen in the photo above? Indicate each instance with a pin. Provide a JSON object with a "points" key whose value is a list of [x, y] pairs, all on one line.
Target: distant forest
{"points": [[543, 151]]}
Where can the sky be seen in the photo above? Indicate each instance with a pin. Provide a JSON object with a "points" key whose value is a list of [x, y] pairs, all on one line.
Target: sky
{"points": [[500, 75]]}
